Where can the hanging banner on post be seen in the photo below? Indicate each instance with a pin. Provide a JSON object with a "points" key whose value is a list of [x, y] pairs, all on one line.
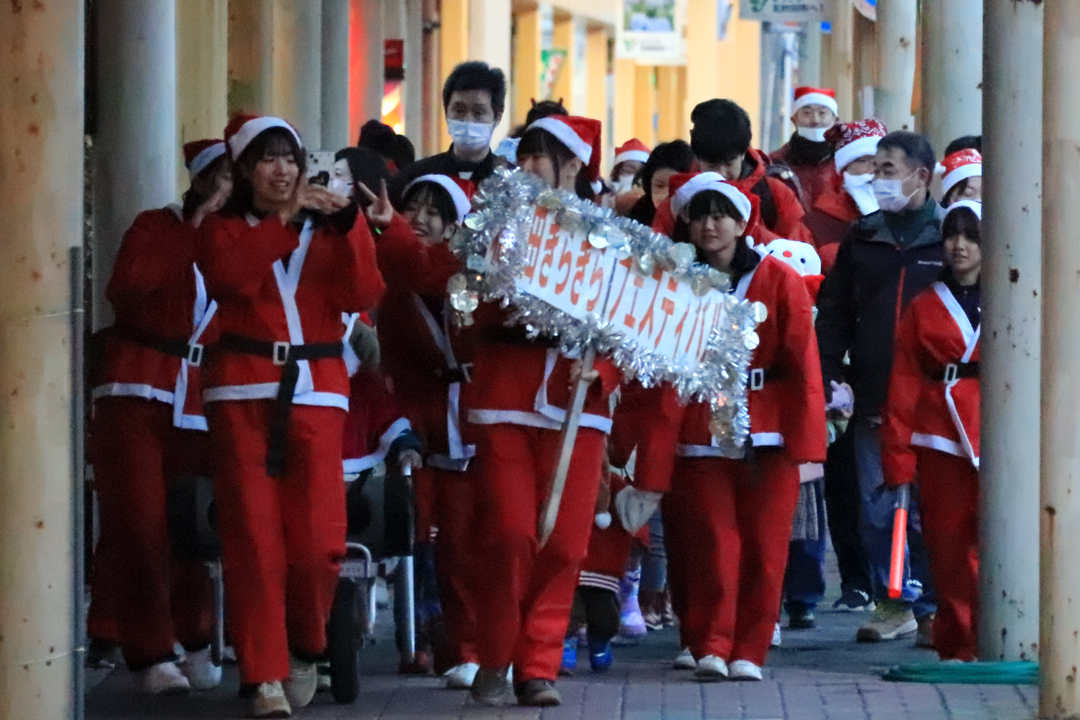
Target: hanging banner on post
{"points": [[783, 10], [648, 32]]}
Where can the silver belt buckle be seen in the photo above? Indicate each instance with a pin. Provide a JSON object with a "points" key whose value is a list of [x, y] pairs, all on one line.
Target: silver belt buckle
{"points": [[757, 378], [281, 353], [952, 371], [195, 355]]}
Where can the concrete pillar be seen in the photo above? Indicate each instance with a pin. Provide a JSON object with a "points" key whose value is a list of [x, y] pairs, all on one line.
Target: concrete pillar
{"points": [[840, 70], [454, 41], [896, 27], [335, 74], [952, 75], [414, 71], [366, 63], [297, 68], [596, 70], [810, 59], [668, 109], [490, 23], [564, 40], [432, 89], [202, 58], [1059, 647], [644, 106], [701, 55], [1009, 356], [41, 201], [625, 101], [251, 41], [135, 147], [527, 64]]}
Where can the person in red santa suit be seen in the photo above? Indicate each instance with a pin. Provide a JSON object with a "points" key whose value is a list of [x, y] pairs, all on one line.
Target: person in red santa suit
{"points": [[727, 520], [630, 159], [148, 432], [850, 195], [931, 430], [517, 401], [429, 364], [808, 153], [285, 259], [962, 179], [720, 140]]}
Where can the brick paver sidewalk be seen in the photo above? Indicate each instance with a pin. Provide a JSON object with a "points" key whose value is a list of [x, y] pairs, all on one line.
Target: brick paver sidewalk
{"points": [[818, 674]]}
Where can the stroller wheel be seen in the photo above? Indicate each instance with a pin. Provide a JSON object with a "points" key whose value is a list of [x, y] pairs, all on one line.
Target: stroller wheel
{"points": [[345, 638]]}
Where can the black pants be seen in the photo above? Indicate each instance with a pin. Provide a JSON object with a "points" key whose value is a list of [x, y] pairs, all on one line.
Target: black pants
{"points": [[842, 503], [598, 610]]}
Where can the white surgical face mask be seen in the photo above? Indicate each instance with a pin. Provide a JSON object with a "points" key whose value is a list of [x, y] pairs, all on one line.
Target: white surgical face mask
{"points": [[470, 135], [812, 134], [890, 194], [860, 189], [340, 186]]}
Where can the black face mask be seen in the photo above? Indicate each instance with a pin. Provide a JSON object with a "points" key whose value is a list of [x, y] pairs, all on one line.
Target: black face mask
{"points": [[808, 152]]}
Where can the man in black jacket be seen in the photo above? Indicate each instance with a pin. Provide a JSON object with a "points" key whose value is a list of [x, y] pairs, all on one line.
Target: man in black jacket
{"points": [[474, 97], [886, 259]]}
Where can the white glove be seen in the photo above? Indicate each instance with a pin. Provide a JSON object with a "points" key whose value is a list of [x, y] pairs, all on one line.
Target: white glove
{"points": [[843, 400], [635, 507]]}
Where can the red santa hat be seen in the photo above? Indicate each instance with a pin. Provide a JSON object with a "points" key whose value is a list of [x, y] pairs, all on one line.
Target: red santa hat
{"points": [[461, 191], [242, 129], [684, 187], [960, 166], [580, 134], [198, 154], [854, 140], [814, 96], [633, 150]]}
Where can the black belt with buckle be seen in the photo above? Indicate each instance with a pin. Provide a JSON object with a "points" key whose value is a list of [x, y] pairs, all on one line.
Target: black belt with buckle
{"points": [[192, 352], [760, 376], [955, 371], [288, 357], [460, 374]]}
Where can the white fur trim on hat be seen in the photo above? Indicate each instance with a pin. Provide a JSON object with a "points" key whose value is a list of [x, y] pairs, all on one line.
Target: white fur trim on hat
{"points": [[854, 150], [973, 205], [815, 99], [251, 129], [631, 156], [203, 159], [566, 136], [710, 181], [461, 200], [963, 172]]}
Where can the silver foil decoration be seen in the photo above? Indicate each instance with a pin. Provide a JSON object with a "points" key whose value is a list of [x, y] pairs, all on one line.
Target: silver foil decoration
{"points": [[491, 244]]}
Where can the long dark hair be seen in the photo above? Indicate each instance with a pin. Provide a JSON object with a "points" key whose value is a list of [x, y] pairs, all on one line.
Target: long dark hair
{"points": [[270, 143], [537, 141], [434, 194], [366, 166], [192, 199], [961, 221]]}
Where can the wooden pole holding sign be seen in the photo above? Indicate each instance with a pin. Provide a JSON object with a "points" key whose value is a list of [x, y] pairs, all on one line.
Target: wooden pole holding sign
{"points": [[549, 512]]}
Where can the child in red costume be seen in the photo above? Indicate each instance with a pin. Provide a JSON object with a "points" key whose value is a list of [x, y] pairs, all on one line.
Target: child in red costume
{"points": [[728, 520], [149, 431], [931, 430], [284, 259], [516, 404]]}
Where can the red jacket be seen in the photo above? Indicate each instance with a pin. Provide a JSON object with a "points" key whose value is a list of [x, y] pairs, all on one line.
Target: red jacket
{"points": [[157, 291], [419, 352], [609, 548], [829, 221], [789, 212], [814, 178], [373, 423], [787, 411], [923, 410], [329, 273], [525, 383]]}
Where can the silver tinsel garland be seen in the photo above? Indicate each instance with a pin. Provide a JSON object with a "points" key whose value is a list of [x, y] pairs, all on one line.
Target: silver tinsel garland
{"points": [[503, 211]]}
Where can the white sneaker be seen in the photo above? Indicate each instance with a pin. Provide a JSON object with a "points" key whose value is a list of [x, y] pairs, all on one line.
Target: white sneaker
{"points": [[460, 677], [200, 670], [302, 682], [775, 636], [161, 679], [744, 670], [685, 660], [269, 701], [711, 667]]}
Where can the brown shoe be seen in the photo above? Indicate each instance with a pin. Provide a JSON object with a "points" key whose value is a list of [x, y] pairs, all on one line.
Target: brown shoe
{"points": [[490, 687], [539, 693], [268, 701], [924, 636], [652, 606]]}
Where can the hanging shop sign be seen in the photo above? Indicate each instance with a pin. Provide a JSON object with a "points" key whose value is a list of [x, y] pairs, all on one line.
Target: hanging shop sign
{"points": [[783, 10], [648, 31]]}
